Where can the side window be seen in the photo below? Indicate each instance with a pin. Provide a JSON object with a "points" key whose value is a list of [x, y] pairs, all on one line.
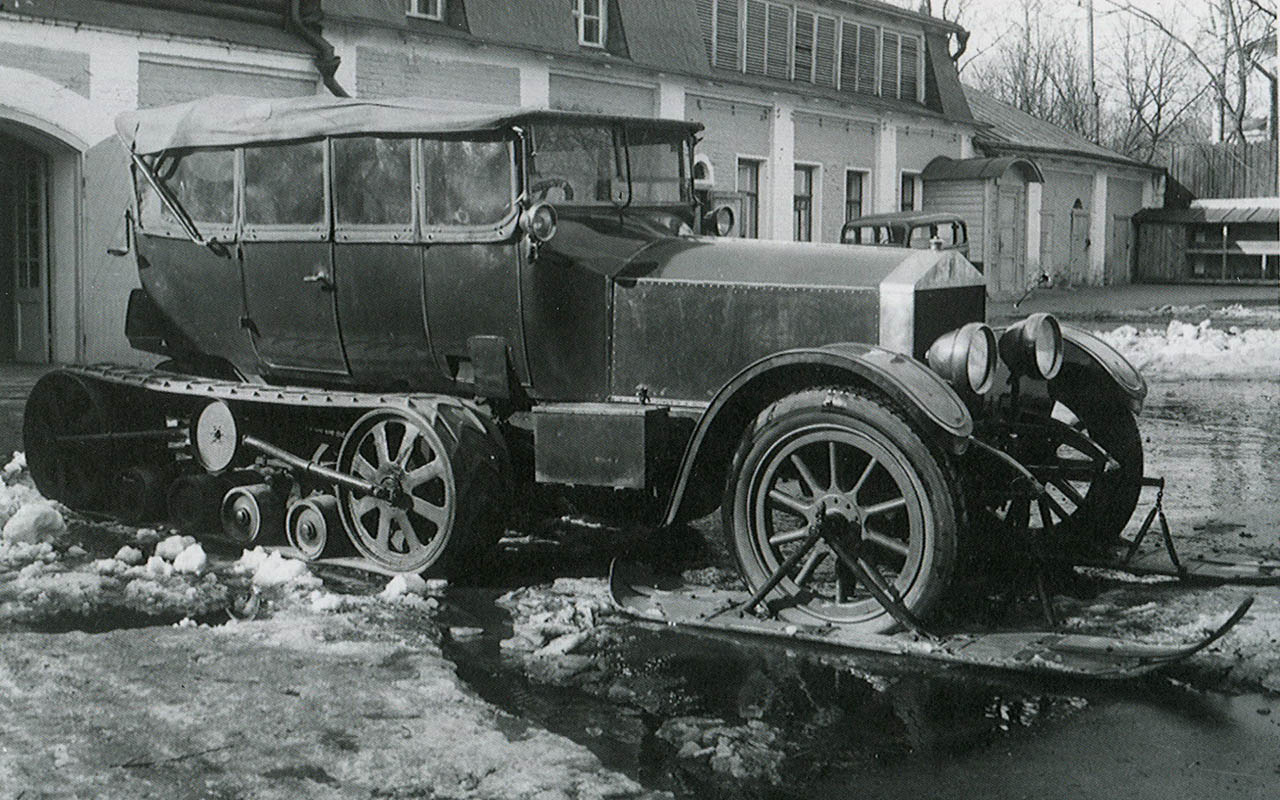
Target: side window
{"points": [[284, 186], [203, 183], [467, 183], [373, 183]]}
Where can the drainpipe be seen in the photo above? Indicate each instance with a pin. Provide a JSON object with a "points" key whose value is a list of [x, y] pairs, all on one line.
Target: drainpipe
{"points": [[326, 60]]}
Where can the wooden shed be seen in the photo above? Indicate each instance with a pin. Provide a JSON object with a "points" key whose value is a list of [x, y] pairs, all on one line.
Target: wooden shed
{"points": [[1213, 241], [990, 195]]}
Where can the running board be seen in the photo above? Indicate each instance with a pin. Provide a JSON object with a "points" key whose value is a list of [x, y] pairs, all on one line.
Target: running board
{"points": [[638, 595]]}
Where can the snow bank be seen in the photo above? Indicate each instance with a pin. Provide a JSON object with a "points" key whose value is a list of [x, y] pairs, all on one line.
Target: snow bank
{"points": [[1184, 351]]}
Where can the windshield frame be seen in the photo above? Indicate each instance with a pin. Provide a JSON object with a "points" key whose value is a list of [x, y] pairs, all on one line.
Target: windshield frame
{"points": [[622, 131]]}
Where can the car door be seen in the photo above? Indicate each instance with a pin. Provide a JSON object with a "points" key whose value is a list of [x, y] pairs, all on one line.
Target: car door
{"points": [[471, 258], [378, 264], [289, 284]]}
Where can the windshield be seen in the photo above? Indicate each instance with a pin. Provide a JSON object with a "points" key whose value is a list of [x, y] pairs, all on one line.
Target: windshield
{"points": [[587, 164]]}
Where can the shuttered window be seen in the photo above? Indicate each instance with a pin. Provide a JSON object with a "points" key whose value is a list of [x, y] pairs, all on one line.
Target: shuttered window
{"points": [[868, 39], [804, 46], [727, 45], [756, 27], [707, 24], [779, 49], [824, 52], [889, 65], [910, 68], [762, 37]]}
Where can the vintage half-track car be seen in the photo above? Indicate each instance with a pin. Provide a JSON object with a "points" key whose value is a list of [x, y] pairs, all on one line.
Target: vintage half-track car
{"points": [[380, 323], [919, 229]]}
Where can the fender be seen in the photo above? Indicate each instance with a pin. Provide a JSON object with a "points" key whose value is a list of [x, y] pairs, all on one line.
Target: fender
{"points": [[927, 400], [1084, 348]]}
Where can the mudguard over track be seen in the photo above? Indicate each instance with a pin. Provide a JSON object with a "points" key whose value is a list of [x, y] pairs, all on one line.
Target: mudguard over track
{"points": [[1045, 652]]}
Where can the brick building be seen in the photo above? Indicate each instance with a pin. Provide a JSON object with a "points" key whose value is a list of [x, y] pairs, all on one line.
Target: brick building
{"points": [[815, 110]]}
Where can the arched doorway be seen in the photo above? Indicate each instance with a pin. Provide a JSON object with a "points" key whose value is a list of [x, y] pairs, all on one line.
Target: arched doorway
{"points": [[24, 252], [39, 245]]}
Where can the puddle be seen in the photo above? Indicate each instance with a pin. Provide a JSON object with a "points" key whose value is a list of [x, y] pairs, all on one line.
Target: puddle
{"points": [[712, 718]]}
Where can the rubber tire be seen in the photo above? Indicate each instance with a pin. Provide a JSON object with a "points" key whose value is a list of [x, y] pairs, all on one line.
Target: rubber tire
{"points": [[1096, 401], [843, 407]]}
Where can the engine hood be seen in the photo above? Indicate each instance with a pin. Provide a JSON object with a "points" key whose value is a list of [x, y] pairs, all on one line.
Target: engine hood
{"points": [[640, 245]]}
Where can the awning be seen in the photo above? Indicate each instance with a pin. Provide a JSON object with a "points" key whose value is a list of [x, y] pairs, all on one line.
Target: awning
{"points": [[943, 168], [1216, 215], [226, 121]]}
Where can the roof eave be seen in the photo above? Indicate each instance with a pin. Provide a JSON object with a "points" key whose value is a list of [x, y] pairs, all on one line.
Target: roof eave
{"points": [[1017, 147]]}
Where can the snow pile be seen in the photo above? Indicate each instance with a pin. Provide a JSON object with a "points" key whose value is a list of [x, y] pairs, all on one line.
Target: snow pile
{"points": [[172, 547], [556, 620], [192, 560], [751, 751], [1184, 351], [274, 571]]}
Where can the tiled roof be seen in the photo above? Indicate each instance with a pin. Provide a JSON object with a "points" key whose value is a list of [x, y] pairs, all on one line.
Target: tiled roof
{"points": [[1009, 129]]}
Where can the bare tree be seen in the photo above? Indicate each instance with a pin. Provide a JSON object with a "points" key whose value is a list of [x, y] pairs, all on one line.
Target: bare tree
{"points": [[1157, 98], [1221, 47], [1039, 69]]}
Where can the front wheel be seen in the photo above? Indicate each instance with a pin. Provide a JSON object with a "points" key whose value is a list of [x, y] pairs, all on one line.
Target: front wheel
{"points": [[836, 453]]}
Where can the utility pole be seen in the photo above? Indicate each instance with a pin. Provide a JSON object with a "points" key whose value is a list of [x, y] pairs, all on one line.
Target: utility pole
{"points": [[1093, 82]]}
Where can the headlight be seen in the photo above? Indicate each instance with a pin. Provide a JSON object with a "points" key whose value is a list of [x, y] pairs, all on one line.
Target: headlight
{"points": [[539, 221], [965, 357], [718, 221], [1033, 347]]}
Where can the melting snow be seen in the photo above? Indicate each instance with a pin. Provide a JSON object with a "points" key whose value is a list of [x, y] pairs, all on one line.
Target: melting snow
{"points": [[1183, 351], [171, 548]]}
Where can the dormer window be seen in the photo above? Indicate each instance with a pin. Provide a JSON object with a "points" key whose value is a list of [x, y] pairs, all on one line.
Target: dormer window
{"points": [[426, 9], [591, 22]]}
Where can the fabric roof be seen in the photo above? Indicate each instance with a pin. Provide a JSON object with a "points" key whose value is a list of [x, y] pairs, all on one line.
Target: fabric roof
{"points": [[943, 168], [1012, 129], [225, 121]]}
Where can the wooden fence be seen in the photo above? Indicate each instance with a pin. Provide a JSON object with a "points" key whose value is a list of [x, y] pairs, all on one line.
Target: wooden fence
{"points": [[1224, 170]]}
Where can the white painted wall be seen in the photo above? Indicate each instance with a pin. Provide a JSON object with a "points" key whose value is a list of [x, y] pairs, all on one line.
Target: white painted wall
{"points": [[782, 160]]}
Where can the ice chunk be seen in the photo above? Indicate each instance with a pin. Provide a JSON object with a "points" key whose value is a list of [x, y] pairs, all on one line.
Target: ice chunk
{"points": [[34, 522], [158, 566], [402, 585], [129, 555], [250, 560], [15, 466], [170, 548], [192, 560], [109, 566], [277, 570]]}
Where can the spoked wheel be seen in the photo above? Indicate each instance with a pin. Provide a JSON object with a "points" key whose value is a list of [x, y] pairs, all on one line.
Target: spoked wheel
{"points": [[1088, 454], [63, 405], [398, 450], [848, 463]]}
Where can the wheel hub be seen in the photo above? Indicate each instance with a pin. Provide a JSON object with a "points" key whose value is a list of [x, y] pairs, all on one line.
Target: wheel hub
{"points": [[390, 480]]}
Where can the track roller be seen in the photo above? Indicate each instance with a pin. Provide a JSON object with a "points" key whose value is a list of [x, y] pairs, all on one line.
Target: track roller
{"points": [[140, 492], [314, 527], [252, 514], [195, 501]]}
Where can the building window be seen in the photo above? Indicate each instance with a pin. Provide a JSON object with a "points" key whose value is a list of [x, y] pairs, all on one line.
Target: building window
{"points": [[749, 188], [803, 203], [426, 9], [591, 22], [910, 194], [854, 184]]}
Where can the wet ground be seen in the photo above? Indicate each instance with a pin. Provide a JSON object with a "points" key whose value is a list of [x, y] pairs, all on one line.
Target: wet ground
{"points": [[715, 718], [696, 717]]}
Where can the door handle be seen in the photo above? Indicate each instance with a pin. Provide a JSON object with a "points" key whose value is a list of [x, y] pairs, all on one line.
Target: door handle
{"points": [[321, 277]]}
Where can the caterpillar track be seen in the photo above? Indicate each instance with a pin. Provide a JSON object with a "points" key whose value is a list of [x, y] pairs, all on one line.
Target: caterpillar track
{"points": [[404, 482]]}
